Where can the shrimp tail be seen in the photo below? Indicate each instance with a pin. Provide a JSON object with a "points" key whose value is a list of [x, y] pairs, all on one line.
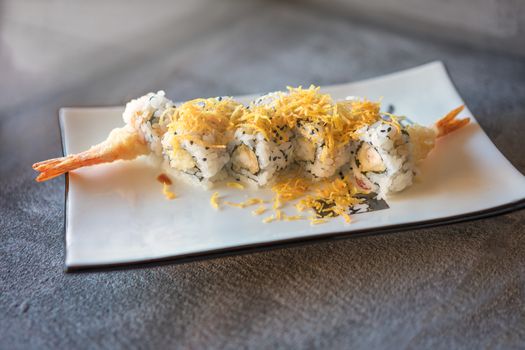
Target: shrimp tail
{"points": [[450, 123], [122, 143], [58, 166]]}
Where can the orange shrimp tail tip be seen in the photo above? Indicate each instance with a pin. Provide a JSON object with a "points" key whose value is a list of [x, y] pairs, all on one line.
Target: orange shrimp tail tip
{"points": [[121, 143], [450, 123], [55, 167]]}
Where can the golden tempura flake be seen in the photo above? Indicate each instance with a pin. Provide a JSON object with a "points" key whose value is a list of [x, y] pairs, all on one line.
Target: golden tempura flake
{"points": [[246, 203], [214, 200], [318, 221], [198, 118], [167, 193], [236, 185], [338, 121], [269, 219], [331, 199], [292, 217], [166, 183], [265, 120], [289, 188], [259, 211]]}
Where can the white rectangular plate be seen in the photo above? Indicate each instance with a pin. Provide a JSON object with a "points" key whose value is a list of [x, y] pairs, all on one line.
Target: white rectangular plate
{"points": [[116, 213]]}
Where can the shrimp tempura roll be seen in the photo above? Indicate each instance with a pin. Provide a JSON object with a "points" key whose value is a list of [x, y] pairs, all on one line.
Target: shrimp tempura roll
{"points": [[381, 162], [194, 145], [262, 143], [385, 154], [140, 136], [149, 115], [324, 128]]}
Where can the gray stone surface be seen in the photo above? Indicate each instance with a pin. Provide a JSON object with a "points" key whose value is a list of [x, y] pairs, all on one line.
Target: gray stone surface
{"points": [[457, 286]]}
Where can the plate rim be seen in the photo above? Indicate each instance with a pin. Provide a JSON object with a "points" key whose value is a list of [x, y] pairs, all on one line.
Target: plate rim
{"points": [[281, 243]]}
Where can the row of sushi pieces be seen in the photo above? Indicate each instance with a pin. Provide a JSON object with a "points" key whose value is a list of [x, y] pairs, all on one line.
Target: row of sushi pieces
{"points": [[207, 140]]}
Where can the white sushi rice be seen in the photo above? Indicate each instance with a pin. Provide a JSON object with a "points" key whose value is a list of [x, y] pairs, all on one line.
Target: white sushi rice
{"points": [[205, 164], [144, 115], [269, 98], [194, 177], [311, 153], [392, 146], [271, 157]]}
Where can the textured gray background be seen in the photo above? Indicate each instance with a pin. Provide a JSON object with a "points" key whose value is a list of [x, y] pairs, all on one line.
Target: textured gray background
{"points": [[460, 286]]}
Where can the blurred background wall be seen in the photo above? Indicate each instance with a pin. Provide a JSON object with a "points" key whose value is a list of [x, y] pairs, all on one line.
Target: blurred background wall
{"points": [[71, 42], [492, 24]]}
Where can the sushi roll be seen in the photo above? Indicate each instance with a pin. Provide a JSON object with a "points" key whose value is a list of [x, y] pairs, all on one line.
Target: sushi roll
{"points": [[195, 144], [381, 158], [146, 115], [314, 155], [262, 143], [203, 138], [324, 129]]}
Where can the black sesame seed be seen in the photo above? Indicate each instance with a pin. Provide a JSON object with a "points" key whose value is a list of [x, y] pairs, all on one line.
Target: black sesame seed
{"points": [[206, 147], [389, 128], [204, 159], [191, 142]]}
